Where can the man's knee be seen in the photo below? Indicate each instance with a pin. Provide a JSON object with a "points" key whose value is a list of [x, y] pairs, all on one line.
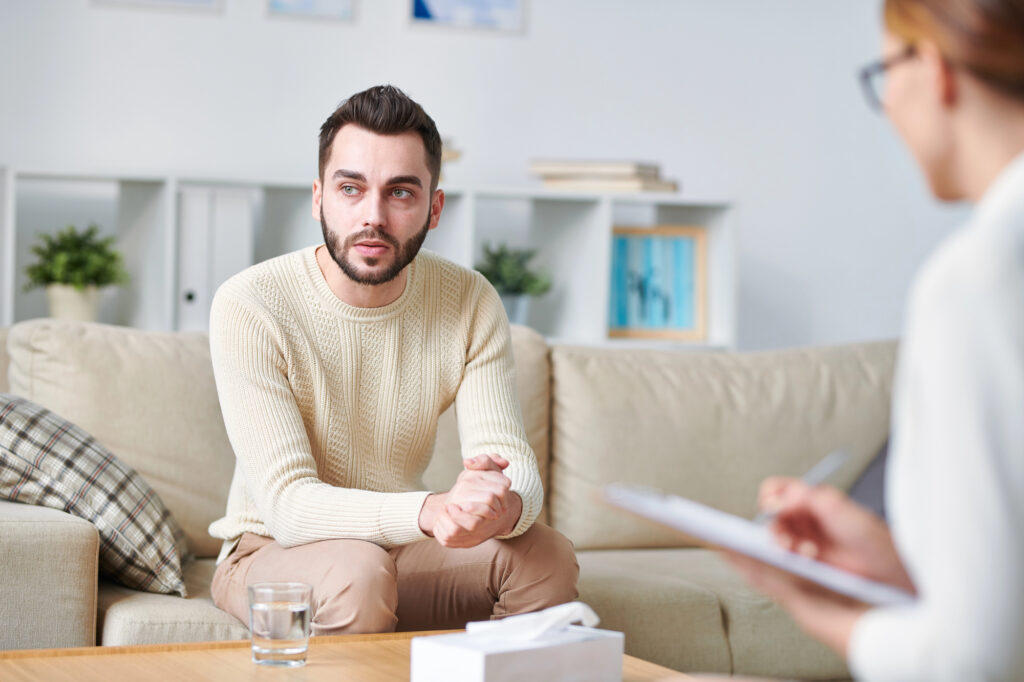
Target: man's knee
{"points": [[547, 558], [357, 594]]}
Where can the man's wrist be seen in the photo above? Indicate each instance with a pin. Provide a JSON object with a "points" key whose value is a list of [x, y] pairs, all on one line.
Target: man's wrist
{"points": [[432, 507], [515, 512]]}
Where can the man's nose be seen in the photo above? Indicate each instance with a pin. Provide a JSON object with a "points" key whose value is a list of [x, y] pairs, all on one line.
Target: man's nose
{"points": [[374, 211]]}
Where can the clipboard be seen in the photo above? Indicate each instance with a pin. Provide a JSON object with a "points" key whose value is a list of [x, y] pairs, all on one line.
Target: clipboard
{"points": [[721, 529]]}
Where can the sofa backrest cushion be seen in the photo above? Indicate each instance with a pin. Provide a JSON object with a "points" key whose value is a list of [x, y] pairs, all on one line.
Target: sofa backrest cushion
{"points": [[150, 397], [533, 376], [147, 396], [709, 426]]}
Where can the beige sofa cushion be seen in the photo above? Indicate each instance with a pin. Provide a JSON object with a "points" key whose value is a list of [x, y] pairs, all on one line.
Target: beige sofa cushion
{"points": [[148, 396], [708, 426], [533, 383], [134, 389], [668, 619], [127, 617], [678, 629]]}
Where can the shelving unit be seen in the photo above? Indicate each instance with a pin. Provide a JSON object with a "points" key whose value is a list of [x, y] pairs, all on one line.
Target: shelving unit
{"points": [[181, 237]]}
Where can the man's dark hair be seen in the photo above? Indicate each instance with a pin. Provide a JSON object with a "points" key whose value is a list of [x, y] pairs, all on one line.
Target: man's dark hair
{"points": [[385, 110]]}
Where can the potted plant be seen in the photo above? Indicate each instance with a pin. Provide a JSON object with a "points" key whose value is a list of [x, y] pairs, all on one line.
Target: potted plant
{"points": [[509, 271], [73, 266]]}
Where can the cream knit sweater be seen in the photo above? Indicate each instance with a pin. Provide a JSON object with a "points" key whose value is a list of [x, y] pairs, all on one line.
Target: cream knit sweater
{"points": [[332, 409]]}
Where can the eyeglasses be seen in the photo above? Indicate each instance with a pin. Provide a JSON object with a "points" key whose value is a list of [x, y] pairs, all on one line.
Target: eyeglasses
{"points": [[872, 76]]}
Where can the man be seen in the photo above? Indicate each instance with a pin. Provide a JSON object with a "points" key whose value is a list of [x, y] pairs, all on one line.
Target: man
{"points": [[333, 364]]}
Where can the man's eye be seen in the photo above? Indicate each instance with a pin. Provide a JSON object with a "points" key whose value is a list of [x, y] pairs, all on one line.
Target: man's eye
{"points": [[402, 193], [349, 189]]}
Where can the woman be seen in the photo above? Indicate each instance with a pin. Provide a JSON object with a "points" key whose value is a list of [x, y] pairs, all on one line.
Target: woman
{"points": [[954, 90]]}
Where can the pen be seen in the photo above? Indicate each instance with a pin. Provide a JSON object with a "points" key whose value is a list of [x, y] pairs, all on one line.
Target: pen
{"points": [[816, 475]]}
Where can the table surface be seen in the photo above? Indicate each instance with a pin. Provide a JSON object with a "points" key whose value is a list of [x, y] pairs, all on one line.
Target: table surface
{"points": [[338, 658]]}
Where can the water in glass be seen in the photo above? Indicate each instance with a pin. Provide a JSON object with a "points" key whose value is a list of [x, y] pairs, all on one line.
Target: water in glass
{"points": [[279, 624]]}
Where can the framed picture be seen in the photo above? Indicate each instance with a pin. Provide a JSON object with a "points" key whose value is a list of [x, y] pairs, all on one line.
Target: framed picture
{"points": [[312, 9], [505, 15], [208, 5], [658, 283]]}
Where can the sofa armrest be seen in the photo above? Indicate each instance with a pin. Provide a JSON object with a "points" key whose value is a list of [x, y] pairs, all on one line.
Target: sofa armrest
{"points": [[49, 561]]}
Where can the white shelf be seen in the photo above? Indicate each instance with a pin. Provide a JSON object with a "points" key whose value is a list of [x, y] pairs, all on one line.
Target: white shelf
{"points": [[182, 236]]}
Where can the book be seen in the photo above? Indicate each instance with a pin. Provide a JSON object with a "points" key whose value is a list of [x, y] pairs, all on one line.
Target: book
{"points": [[721, 529], [611, 184], [554, 168]]}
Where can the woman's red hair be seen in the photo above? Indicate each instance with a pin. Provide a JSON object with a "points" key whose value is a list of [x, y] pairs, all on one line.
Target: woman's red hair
{"points": [[985, 37]]}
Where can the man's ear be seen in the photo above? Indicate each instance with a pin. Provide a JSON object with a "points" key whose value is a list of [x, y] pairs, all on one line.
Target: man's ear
{"points": [[436, 205], [318, 196]]}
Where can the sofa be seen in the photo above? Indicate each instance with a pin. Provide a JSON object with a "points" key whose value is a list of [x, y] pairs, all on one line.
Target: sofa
{"points": [[709, 425]]}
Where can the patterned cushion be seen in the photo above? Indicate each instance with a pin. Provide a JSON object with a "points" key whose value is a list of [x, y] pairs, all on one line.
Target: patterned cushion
{"points": [[48, 461]]}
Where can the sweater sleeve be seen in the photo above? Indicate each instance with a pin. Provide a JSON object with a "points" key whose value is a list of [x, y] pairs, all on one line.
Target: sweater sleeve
{"points": [[961, 499], [489, 415], [268, 435]]}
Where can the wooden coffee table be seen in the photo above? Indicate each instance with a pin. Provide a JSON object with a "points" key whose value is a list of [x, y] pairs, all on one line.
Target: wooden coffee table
{"points": [[366, 658]]}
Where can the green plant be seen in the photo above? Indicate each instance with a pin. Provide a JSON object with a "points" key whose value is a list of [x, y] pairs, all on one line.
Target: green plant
{"points": [[76, 258], [509, 271]]}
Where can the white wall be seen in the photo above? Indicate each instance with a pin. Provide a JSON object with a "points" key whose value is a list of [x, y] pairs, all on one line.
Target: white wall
{"points": [[754, 100]]}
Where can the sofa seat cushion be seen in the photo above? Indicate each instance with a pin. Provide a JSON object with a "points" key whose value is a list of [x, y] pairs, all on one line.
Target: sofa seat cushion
{"points": [[760, 638], [128, 617], [667, 618], [150, 397], [48, 461]]}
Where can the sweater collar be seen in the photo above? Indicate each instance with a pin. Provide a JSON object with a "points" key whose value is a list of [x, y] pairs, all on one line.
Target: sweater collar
{"points": [[335, 305]]}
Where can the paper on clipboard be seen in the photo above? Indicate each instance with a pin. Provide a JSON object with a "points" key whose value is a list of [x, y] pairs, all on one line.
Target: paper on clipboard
{"points": [[740, 535]]}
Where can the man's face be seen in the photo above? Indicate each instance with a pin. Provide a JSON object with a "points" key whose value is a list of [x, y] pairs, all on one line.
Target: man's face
{"points": [[375, 205]]}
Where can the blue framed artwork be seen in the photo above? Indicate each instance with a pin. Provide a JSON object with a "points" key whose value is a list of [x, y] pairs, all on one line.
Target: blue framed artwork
{"points": [[312, 9], [658, 283], [506, 15]]}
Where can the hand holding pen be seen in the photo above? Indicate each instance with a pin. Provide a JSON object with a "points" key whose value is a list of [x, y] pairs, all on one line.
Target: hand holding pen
{"points": [[816, 475]]}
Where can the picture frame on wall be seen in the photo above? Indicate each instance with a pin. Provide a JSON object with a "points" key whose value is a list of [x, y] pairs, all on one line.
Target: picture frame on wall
{"points": [[658, 283], [501, 15], [340, 10], [202, 5]]}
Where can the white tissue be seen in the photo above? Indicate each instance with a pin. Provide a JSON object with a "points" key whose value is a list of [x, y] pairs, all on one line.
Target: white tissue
{"points": [[532, 626]]}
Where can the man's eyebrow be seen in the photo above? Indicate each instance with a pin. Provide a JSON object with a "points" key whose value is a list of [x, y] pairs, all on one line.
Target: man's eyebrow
{"points": [[405, 180], [350, 174]]}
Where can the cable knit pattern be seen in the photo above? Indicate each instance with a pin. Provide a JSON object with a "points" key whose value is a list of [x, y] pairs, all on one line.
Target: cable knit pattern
{"points": [[332, 409]]}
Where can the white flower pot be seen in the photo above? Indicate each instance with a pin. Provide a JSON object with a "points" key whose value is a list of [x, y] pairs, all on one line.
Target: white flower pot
{"points": [[68, 303], [517, 307]]}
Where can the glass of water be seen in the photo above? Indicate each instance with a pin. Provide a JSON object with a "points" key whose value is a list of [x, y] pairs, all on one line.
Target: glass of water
{"points": [[279, 623]]}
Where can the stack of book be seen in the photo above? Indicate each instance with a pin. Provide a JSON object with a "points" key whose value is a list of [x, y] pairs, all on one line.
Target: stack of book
{"points": [[602, 176], [448, 154]]}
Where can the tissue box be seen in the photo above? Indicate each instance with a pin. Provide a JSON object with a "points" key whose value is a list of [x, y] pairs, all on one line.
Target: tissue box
{"points": [[573, 653]]}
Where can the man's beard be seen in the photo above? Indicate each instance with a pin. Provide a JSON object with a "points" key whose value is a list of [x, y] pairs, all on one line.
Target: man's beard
{"points": [[404, 253]]}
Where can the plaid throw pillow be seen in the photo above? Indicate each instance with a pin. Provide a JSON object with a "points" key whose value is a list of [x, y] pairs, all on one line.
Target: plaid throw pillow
{"points": [[46, 460]]}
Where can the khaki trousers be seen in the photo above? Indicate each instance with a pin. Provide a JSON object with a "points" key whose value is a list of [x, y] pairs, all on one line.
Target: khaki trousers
{"points": [[360, 587]]}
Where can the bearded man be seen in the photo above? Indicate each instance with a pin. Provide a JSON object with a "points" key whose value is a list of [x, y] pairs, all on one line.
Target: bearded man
{"points": [[333, 364]]}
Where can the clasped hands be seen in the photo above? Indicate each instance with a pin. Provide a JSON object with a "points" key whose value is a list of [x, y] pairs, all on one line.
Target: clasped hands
{"points": [[480, 506], [823, 523]]}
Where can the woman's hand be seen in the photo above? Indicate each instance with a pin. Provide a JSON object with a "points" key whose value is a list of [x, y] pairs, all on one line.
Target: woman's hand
{"points": [[825, 524]]}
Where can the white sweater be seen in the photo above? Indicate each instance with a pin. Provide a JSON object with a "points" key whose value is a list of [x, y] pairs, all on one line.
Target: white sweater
{"points": [[956, 469], [332, 409]]}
